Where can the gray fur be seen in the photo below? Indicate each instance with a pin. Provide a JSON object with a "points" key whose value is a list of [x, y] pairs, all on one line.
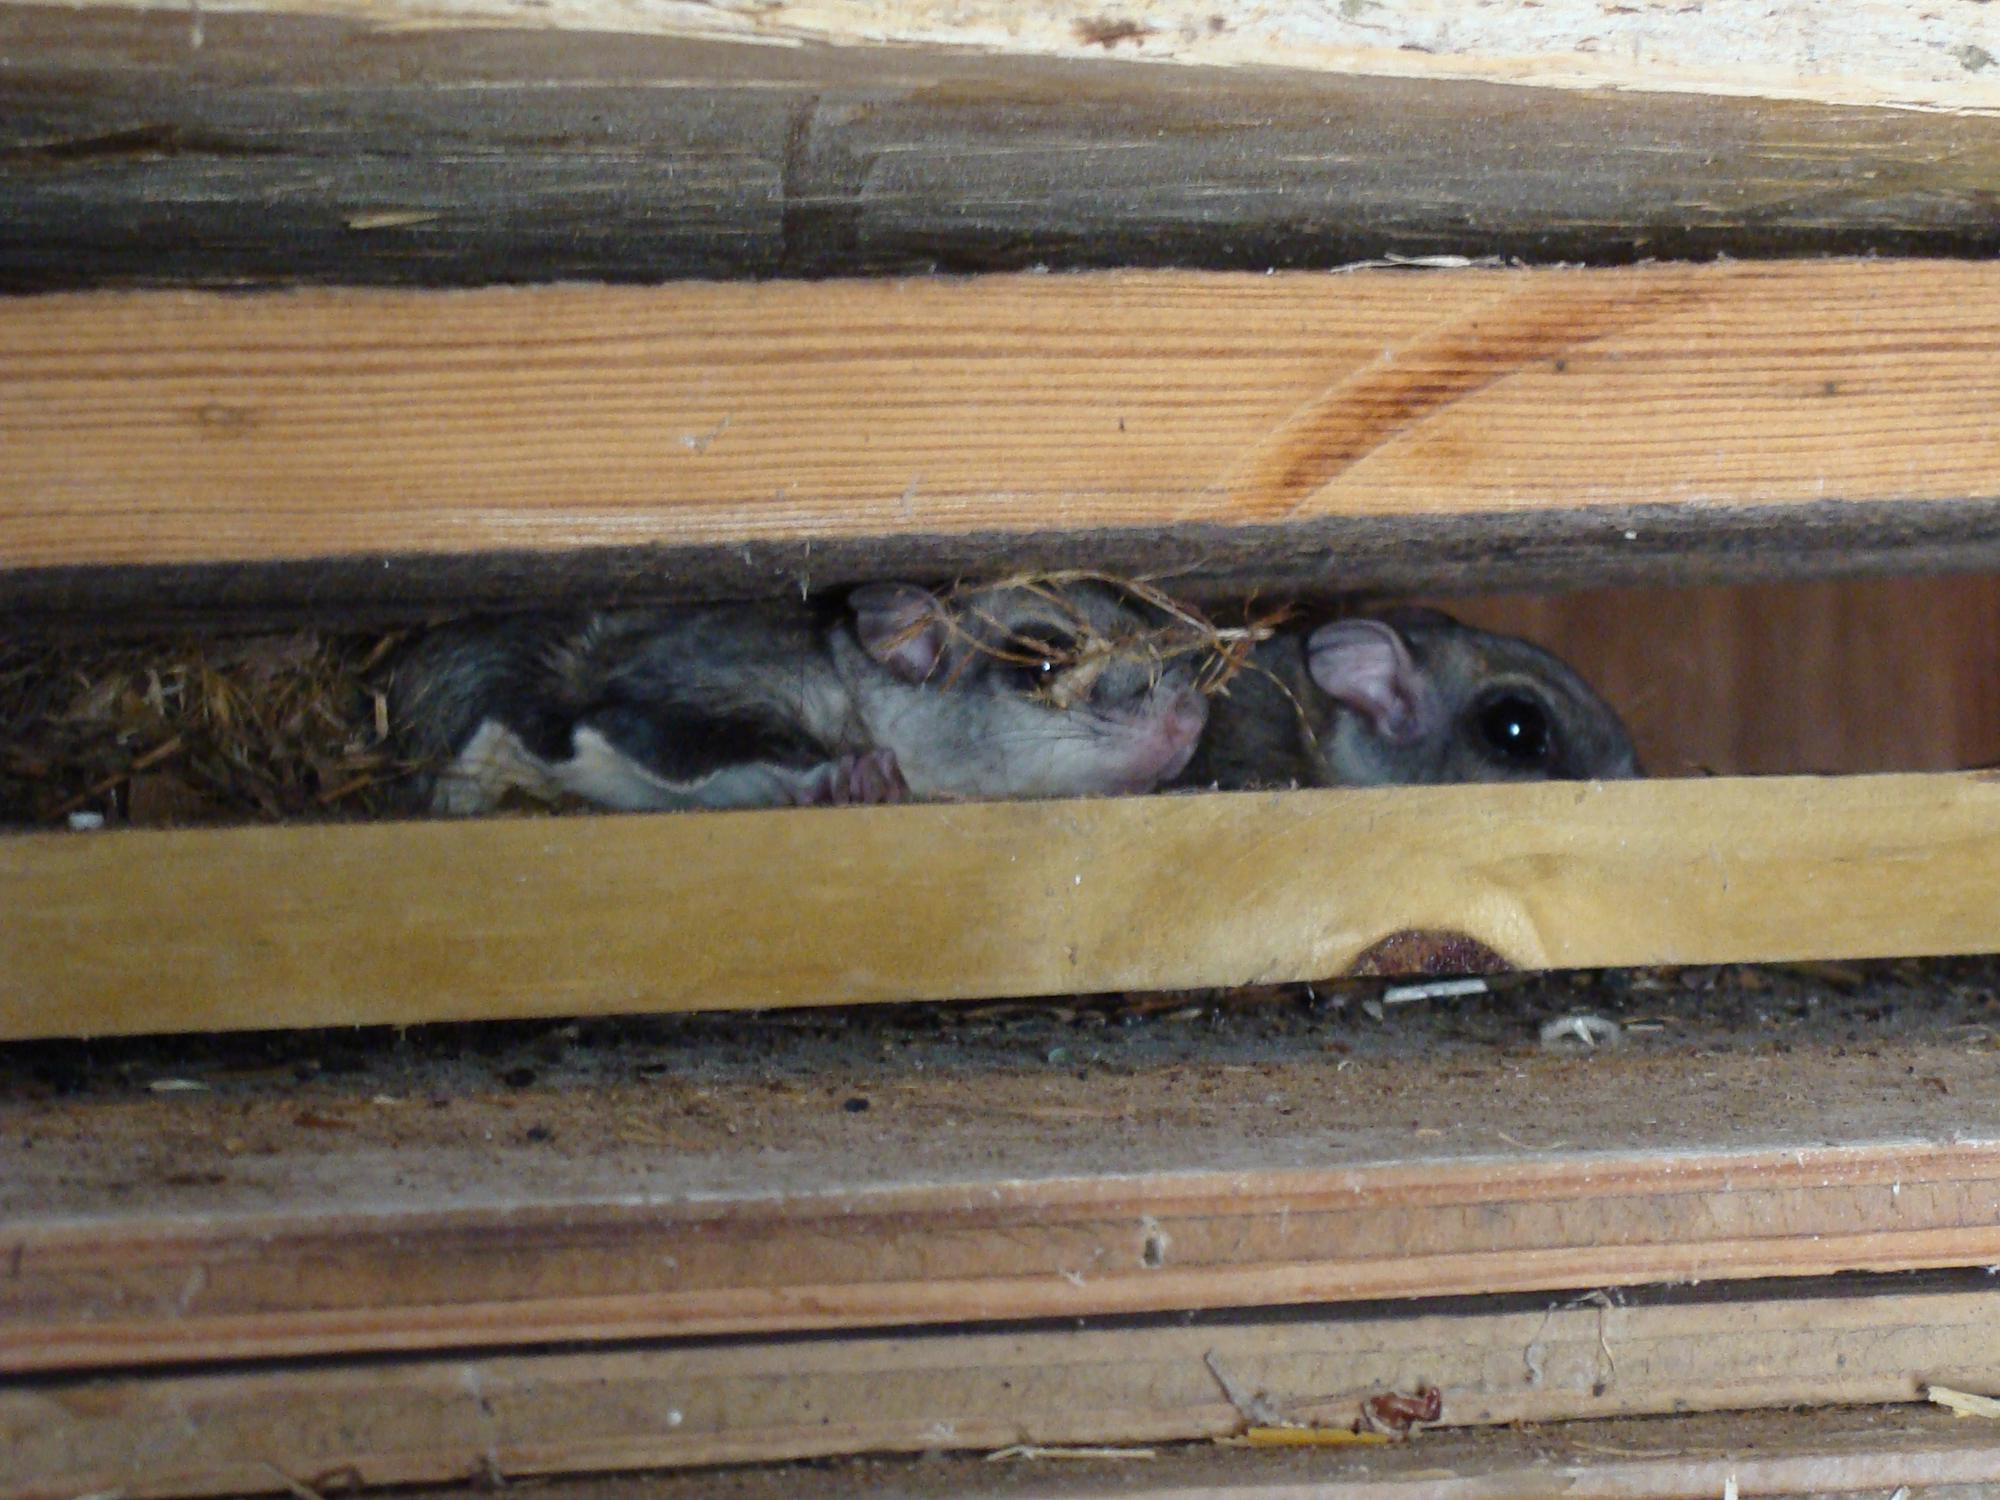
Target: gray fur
{"points": [[753, 705], [1275, 725]]}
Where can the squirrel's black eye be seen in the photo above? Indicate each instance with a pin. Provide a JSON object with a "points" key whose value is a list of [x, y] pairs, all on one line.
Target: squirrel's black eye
{"points": [[1514, 730], [1032, 676], [1042, 653], [1040, 679]]}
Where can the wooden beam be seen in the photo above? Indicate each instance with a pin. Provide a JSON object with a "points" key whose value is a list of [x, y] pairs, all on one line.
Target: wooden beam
{"points": [[1864, 53], [431, 1420], [719, 1178], [1803, 1455], [380, 141], [398, 923], [543, 1268], [1483, 428]]}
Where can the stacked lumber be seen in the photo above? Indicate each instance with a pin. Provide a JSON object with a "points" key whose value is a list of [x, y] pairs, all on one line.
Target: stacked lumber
{"points": [[282, 1278], [409, 1268]]}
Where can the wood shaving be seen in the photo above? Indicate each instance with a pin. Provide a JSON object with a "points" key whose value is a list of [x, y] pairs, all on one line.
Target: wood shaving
{"points": [[1251, 1405], [1963, 1403], [1586, 1031], [1436, 989], [1036, 1451]]}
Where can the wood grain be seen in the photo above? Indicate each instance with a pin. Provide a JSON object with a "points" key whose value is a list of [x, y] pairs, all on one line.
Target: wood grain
{"points": [[397, 923], [340, 142], [1805, 1455], [249, 1431], [344, 1193], [338, 1277], [1841, 408], [1870, 51]]}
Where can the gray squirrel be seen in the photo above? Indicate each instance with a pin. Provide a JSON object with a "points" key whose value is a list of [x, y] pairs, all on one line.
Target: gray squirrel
{"points": [[1024, 690], [1408, 696]]}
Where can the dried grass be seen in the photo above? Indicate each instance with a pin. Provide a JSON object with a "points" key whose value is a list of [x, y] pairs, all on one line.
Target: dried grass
{"points": [[261, 727], [1220, 652], [296, 725]]}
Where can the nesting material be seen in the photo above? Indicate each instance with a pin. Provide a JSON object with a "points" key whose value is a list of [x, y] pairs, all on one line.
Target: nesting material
{"points": [[1178, 630], [231, 729], [297, 725]]}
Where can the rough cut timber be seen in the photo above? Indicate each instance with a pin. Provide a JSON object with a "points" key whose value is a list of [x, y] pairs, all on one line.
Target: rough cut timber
{"points": [[222, 1224], [1801, 1455], [1869, 52], [1391, 429], [396, 140], [330, 1240], [396, 923], [251, 1430]]}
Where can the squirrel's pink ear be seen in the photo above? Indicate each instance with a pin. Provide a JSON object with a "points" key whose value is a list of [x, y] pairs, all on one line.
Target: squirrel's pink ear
{"points": [[1366, 666], [901, 626]]}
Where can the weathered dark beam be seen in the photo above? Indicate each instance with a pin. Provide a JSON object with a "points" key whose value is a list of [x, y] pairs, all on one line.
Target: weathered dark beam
{"points": [[305, 149]]}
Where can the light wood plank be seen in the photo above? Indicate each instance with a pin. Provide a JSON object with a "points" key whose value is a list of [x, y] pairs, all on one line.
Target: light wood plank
{"points": [[710, 1179], [545, 1269], [396, 923], [1806, 1455], [1346, 429], [433, 1420]]}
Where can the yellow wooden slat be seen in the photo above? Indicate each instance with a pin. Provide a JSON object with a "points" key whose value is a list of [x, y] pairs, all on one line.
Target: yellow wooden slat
{"points": [[397, 923]]}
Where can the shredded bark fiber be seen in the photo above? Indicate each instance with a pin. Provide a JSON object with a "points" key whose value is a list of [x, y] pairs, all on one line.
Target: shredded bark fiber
{"points": [[261, 727]]}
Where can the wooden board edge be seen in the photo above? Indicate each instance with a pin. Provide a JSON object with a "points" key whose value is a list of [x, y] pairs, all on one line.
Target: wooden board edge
{"points": [[395, 923], [1437, 464], [254, 1431], [1552, 549], [1801, 1455], [317, 1282]]}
